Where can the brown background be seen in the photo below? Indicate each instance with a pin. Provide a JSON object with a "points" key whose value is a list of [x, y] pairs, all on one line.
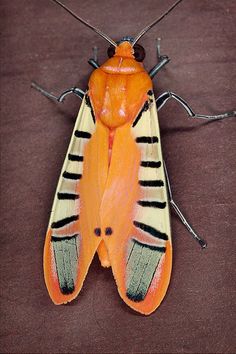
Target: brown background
{"points": [[40, 42]]}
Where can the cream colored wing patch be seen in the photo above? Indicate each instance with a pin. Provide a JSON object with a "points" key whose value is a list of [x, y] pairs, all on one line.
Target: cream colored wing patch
{"points": [[65, 235], [151, 215]]}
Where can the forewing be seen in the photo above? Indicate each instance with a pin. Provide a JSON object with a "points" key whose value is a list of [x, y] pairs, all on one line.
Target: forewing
{"points": [[135, 208], [68, 251]]}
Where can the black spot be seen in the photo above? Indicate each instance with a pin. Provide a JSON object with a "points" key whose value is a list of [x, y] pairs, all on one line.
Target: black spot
{"points": [[97, 231], [66, 290], [150, 93], [139, 52], [135, 297], [108, 231]]}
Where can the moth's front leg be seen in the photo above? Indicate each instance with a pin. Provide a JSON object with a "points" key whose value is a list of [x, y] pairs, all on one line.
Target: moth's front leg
{"points": [[75, 90]]}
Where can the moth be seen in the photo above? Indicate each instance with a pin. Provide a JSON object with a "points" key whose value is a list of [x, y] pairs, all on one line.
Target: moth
{"points": [[113, 193]]}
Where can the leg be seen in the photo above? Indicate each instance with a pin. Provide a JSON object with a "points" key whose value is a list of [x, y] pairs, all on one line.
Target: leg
{"points": [[161, 100], [75, 90], [162, 60], [94, 61], [201, 242]]}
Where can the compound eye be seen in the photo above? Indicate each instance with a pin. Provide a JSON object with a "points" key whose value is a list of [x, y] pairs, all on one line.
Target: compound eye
{"points": [[111, 51], [139, 52]]}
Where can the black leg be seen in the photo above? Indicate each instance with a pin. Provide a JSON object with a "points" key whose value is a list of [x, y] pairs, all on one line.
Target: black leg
{"points": [[75, 90], [201, 242], [162, 61], [161, 100], [94, 61]]}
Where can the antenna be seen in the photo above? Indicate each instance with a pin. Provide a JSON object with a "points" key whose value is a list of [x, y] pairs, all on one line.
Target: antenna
{"points": [[147, 28], [103, 35]]}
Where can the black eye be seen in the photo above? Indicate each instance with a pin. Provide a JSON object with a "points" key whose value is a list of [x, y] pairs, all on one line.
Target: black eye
{"points": [[139, 52], [111, 51]]}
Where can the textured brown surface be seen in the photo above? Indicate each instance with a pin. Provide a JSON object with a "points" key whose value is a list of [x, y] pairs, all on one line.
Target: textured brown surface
{"points": [[41, 42]]}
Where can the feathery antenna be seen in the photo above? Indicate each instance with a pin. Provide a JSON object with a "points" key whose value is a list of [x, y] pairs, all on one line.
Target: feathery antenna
{"points": [[147, 28], [103, 35]]}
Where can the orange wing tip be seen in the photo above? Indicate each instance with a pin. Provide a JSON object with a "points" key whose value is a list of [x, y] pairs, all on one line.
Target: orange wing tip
{"points": [[106, 264], [103, 255]]}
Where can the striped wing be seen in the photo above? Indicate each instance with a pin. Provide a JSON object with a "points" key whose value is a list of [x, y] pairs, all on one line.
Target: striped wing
{"points": [[135, 210], [68, 251]]}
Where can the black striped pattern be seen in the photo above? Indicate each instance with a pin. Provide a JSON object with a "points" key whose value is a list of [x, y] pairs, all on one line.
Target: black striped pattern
{"points": [[145, 108], [73, 157], [88, 103], [152, 204], [82, 134], [147, 139], [63, 222], [151, 183], [150, 230], [67, 196], [151, 247], [70, 175], [152, 164], [60, 238]]}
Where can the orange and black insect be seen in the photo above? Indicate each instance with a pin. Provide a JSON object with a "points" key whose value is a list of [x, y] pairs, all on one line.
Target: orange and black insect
{"points": [[113, 194]]}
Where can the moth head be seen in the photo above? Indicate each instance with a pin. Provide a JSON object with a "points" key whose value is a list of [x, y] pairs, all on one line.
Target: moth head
{"points": [[125, 48]]}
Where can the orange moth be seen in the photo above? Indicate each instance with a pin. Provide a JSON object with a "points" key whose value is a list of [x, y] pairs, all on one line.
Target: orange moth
{"points": [[113, 193], [111, 196]]}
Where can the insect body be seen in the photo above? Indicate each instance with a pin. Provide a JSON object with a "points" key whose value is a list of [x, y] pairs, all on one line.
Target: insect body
{"points": [[113, 193]]}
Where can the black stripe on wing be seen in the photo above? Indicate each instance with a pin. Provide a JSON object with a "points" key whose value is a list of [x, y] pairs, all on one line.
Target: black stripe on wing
{"points": [[82, 134], [67, 196], [152, 204], [88, 103], [63, 222], [151, 183], [150, 230], [144, 109], [70, 175], [147, 139], [60, 238], [151, 247], [152, 164], [73, 157]]}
